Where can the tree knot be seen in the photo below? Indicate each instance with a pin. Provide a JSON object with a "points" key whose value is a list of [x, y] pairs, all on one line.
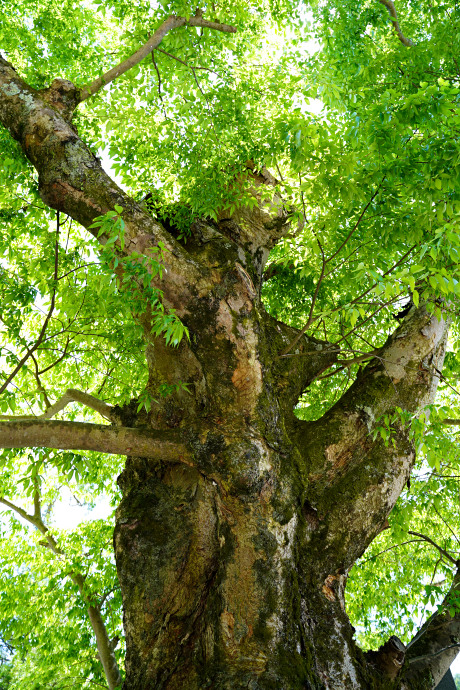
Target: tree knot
{"points": [[389, 658], [62, 95]]}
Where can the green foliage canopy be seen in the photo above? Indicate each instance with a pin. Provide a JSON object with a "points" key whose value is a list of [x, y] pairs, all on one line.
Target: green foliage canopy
{"points": [[372, 185]]}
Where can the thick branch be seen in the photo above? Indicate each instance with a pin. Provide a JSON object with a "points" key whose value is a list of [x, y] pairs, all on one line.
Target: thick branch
{"points": [[435, 646], [33, 519], [72, 180], [104, 648], [292, 374], [162, 445], [389, 4], [154, 41], [71, 395], [345, 454], [256, 228], [389, 657]]}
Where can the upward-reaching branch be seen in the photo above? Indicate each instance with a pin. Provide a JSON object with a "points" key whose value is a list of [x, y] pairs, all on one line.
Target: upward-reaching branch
{"points": [[154, 41], [435, 646], [389, 4], [71, 395], [344, 452], [71, 178]]}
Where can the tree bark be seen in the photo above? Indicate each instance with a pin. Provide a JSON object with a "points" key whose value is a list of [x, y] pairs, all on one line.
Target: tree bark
{"points": [[245, 557], [99, 437], [233, 542]]}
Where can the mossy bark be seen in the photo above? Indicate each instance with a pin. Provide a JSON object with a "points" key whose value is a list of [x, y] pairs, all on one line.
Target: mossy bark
{"points": [[233, 553], [233, 570], [244, 551]]}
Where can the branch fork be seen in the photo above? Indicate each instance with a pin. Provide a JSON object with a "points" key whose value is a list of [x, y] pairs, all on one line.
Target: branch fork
{"points": [[172, 22]]}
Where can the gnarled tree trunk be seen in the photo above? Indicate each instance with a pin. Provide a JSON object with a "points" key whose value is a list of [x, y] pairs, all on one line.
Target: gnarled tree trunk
{"points": [[239, 523], [233, 565]]}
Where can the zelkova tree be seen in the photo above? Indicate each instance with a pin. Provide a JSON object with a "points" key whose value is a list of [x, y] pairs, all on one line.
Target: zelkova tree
{"points": [[275, 418]]}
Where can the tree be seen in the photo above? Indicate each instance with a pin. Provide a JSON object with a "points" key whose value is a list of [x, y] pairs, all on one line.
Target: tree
{"points": [[231, 311]]}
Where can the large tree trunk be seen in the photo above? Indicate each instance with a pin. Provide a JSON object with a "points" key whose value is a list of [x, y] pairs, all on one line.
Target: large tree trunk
{"points": [[234, 545], [233, 565]]}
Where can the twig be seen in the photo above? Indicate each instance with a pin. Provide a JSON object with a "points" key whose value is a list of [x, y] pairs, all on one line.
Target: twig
{"points": [[433, 543], [281, 177], [186, 64], [324, 264], [446, 524], [354, 228], [361, 323], [366, 292], [47, 319], [78, 268], [159, 77], [40, 386], [390, 548], [55, 363], [37, 501], [443, 378]]}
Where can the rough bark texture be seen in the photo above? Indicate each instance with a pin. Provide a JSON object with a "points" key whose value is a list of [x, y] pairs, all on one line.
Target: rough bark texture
{"points": [[233, 555], [108, 439]]}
